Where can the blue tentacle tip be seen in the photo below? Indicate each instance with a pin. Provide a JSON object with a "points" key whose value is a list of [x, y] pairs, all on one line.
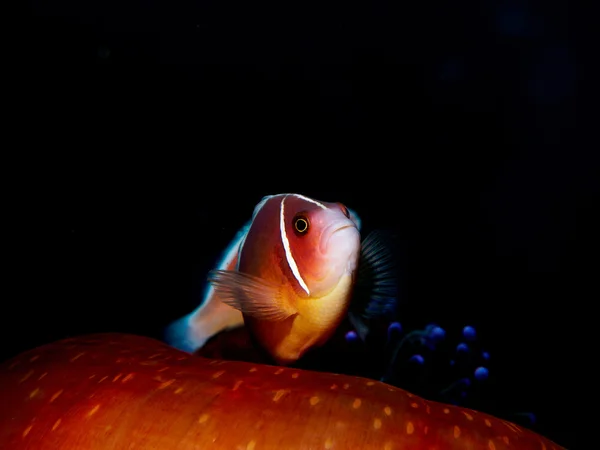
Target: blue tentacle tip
{"points": [[469, 333], [462, 348], [437, 334], [481, 373], [351, 336], [417, 359]]}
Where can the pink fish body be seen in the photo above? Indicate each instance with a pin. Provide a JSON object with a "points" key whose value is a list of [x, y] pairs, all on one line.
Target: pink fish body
{"points": [[289, 276], [118, 391]]}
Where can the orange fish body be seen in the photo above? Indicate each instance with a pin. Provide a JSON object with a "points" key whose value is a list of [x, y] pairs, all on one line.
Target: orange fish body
{"points": [[288, 276], [315, 286], [118, 391]]}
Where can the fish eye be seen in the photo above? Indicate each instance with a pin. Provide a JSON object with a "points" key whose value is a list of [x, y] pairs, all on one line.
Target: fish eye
{"points": [[300, 224]]}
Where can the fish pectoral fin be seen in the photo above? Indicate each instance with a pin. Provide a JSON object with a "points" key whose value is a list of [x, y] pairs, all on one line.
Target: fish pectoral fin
{"points": [[251, 295], [376, 293]]}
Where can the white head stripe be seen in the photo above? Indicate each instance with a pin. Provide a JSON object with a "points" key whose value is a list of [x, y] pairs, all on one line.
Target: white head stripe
{"points": [[288, 251], [306, 199]]}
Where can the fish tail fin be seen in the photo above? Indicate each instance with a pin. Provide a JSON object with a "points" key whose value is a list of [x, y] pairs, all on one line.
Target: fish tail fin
{"points": [[190, 332], [181, 335]]}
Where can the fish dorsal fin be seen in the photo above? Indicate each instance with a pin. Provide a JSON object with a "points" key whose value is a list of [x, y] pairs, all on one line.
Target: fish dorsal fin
{"points": [[376, 291], [251, 295]]}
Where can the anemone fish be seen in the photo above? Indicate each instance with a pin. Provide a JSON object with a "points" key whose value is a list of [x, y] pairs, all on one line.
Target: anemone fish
{"points": [[289, 276], [119, 391]]}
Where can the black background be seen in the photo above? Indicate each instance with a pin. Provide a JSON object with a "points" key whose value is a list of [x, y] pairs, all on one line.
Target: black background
{"points": [[150, 131]]}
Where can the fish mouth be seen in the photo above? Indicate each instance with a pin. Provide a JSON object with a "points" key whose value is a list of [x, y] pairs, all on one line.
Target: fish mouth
{"points": [[343, 227], [339, 234]]}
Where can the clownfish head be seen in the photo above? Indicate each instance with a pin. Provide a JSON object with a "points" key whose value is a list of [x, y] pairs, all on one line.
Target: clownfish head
{"points": [[314, 244]]}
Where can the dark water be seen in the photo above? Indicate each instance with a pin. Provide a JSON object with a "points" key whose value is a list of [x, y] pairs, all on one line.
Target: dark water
{"points": [[458, 127]]}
